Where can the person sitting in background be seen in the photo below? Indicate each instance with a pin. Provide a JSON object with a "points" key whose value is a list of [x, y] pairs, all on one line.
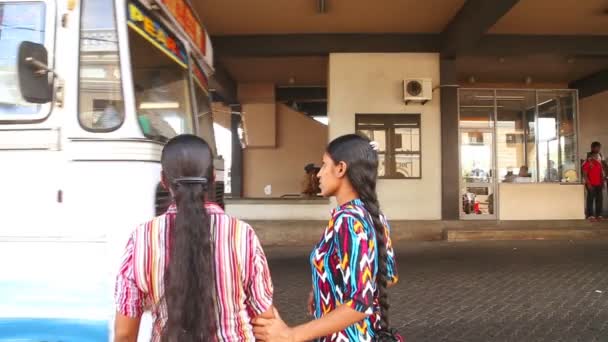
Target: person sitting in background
{"points": [[109, 118], [523, 176], [310, 184], [552, 175], [510, 176], [478, 173]]}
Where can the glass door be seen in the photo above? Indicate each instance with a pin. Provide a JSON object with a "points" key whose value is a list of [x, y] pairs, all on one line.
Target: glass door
{"points": [[477, 173], [477, 111]]}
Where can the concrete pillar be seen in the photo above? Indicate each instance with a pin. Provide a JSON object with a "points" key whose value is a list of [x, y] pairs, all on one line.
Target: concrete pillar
{"points": [[236, 169], [450, 192]]}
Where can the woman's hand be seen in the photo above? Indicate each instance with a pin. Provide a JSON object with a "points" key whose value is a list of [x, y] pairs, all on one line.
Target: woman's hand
{"points": [[311, 303], [275, 330], [272, 330]]}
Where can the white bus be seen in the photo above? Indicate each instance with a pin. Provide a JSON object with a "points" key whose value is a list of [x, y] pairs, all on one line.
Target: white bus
{"points": [[90, 90]]}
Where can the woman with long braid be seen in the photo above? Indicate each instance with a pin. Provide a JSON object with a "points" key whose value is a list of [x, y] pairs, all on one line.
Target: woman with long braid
{"points": [[202, 273], [354, 263]]}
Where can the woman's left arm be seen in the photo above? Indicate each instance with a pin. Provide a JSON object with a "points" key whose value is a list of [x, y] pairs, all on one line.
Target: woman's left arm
{"points": [[391, 262], [126, 328], [275, 330]]}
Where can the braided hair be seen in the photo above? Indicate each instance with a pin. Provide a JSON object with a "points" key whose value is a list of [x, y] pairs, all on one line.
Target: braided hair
{"points": [[362, 172]]}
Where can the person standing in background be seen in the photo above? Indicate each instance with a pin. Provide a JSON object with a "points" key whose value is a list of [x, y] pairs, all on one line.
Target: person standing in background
{"points": [[594, 176]]}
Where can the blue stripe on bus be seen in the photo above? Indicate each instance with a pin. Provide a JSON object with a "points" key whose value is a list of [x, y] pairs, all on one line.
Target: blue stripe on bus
{"points": [[52, 330]]}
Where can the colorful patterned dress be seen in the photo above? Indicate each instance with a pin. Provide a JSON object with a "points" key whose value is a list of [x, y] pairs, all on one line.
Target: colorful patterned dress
{"points": [[344, 268]]}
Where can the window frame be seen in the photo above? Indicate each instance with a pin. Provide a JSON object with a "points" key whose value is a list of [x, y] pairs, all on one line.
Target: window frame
{"points": [[390, 122], [187, 67], [188, 115], [120, 68], [203, 90], [538, 178], [573, 94], [50, 20]]}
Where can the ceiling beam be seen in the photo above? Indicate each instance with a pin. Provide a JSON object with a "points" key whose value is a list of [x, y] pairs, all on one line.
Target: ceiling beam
{"points": [[518, 45], [301, 94], [592, 84], [321, 44], [223, 85], [488, 45], [473, 20]]}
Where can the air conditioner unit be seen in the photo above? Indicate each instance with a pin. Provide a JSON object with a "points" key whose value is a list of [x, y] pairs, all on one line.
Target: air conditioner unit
{"points": [[417, 90]]}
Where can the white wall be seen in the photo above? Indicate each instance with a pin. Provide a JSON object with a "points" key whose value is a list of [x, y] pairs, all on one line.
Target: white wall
{"points": [[593, 120], [281, 210], [541, 201], [372, 83], [299, 140]]}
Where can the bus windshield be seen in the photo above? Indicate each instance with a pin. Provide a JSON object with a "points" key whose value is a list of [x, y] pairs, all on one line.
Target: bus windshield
{"points": [[19, 21], [160, 77]]}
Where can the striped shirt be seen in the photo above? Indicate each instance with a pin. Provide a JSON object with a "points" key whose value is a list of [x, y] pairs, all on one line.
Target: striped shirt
{"points": [[243, 285]]}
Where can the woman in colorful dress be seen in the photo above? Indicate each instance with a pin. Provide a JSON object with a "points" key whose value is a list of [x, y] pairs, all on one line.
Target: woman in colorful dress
{"points": [[172, 262], [353, 263]]}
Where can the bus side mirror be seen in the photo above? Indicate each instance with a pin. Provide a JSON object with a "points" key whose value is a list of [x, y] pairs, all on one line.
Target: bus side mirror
{"points": [[33, 72]]}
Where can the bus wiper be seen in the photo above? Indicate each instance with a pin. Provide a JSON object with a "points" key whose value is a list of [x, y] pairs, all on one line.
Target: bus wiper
{"points": [[15, 27], [100, 39]]}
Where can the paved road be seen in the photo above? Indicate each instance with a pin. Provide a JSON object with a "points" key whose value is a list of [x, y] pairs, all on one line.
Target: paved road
{"points": [[498, 291]]}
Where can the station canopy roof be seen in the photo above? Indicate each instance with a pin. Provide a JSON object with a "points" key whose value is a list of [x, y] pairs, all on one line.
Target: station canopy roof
{"points": [[287, 42]]}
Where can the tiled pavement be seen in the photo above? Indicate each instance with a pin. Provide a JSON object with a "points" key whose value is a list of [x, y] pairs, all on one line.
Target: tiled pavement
{"points": [[489, 291]]}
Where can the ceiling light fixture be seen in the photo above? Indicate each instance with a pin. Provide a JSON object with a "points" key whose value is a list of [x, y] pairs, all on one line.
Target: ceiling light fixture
{"points": [[321, 6], [499, 97], [159, 105]]}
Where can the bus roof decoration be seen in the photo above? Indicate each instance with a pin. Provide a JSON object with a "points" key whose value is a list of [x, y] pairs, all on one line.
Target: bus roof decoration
{"points": [[183, 17], [140, 20], [182, 12]]}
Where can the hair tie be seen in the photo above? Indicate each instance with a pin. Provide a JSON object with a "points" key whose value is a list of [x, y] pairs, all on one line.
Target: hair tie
{"points": [[375, 146], [190, 180]]}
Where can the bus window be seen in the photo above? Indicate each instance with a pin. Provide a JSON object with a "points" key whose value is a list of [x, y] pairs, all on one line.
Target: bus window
{"points": [[162, 96], [100, 99], [19, 21]]}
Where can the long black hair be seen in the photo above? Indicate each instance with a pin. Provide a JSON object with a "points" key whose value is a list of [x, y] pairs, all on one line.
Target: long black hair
{"points": [[362, 172], [187, 163]]}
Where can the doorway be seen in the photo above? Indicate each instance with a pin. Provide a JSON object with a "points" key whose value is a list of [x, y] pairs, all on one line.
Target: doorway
{"points": [[477, 154]]}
